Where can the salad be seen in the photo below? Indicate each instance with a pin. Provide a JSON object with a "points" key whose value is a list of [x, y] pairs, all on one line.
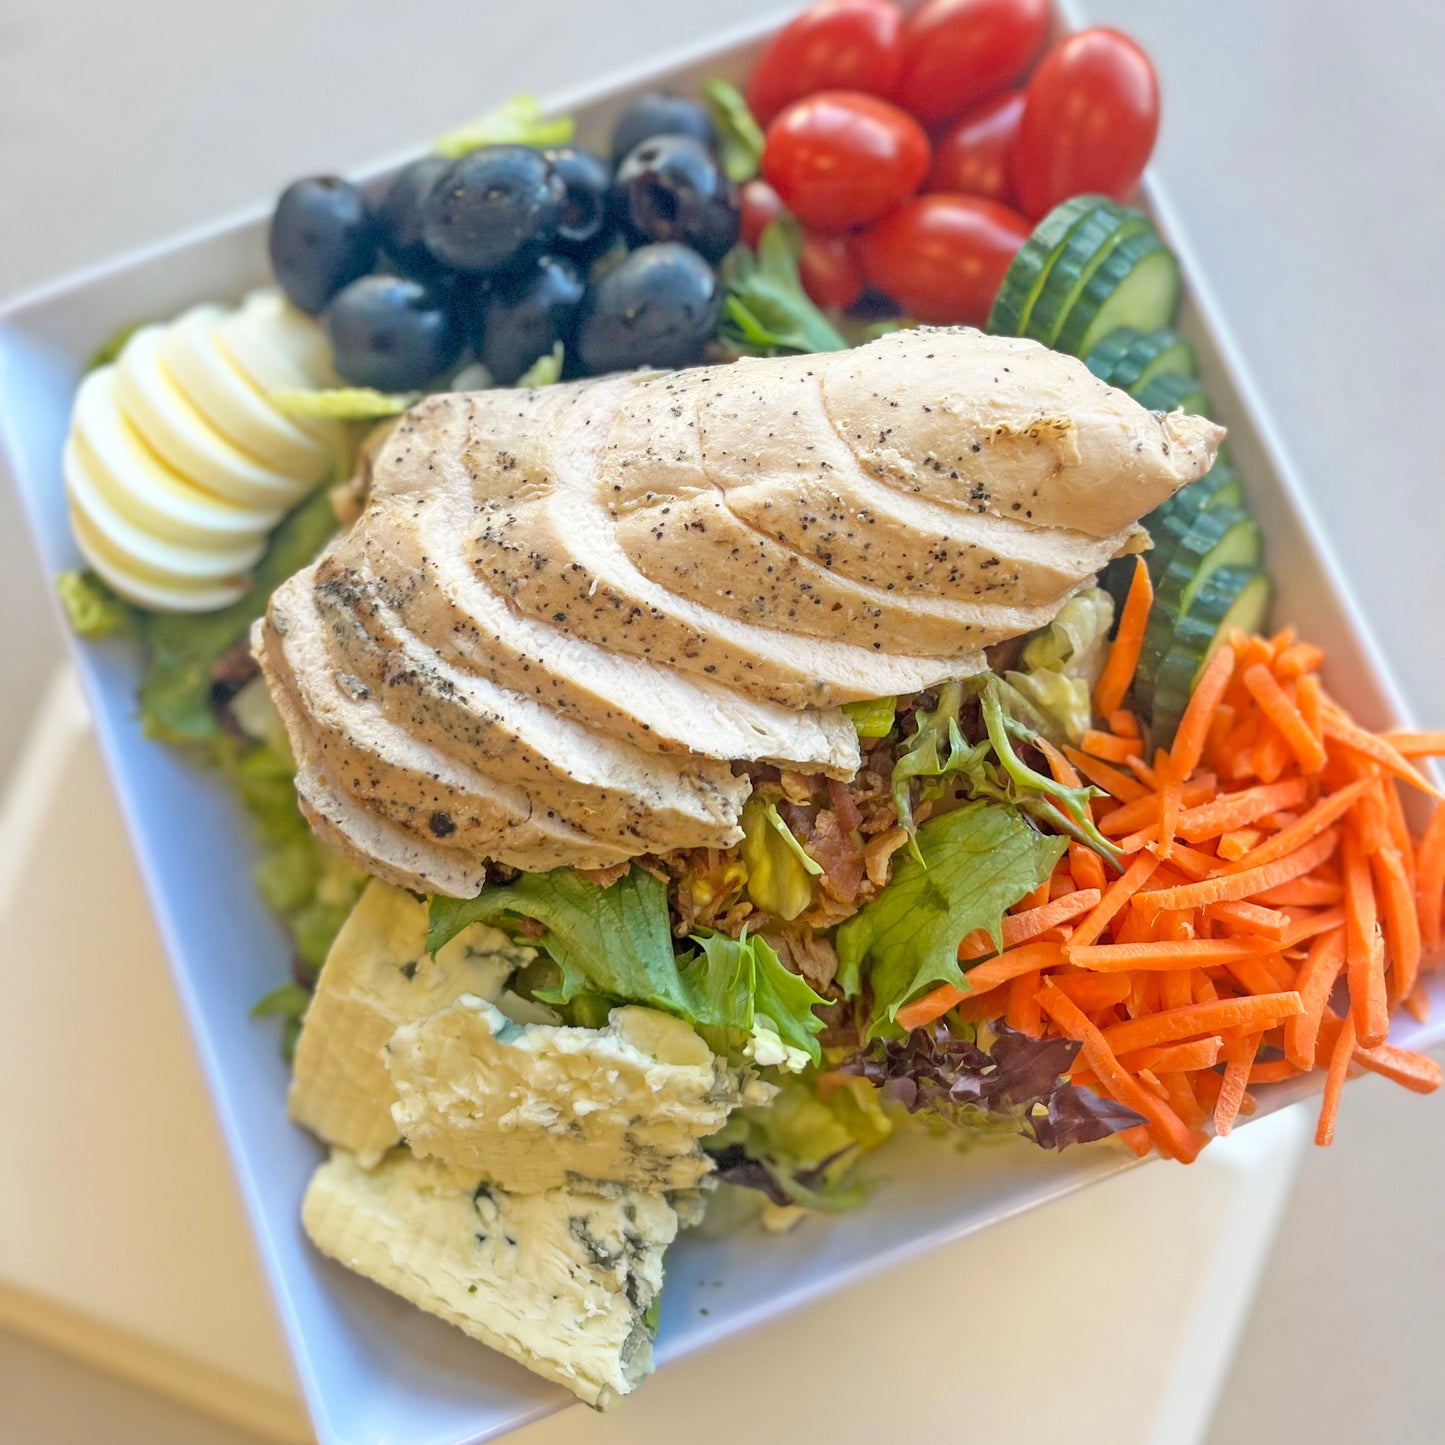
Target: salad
{"points": [[736, 645]]}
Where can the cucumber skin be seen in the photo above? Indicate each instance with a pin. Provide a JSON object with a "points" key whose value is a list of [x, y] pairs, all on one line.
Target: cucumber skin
{"points": [[1197, 640], [1074, 335], [1029, 269], [1107, 357], [1081, 256], [1189, 570], [1169, 521], [1172, 391]]}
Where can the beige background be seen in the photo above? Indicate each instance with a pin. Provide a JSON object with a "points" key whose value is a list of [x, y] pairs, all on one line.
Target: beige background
{"points": [[1304, 143]]}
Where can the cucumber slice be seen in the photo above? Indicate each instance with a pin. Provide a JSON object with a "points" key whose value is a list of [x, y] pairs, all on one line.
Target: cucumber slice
{"points": [[1137, 285], [1085, 251], [1219, 537], [1027, 271], [1153, 354], [1169, 522], [1233, 597], [1173, 392], [1106, 358]]}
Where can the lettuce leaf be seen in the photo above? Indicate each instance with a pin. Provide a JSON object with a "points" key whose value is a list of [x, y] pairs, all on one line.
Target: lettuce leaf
{"points": [[1062, 663], [740, 137], [996, 1081], [616, 943], [972, 865], [765, 310], [92, 609], [344, 403], [175, 690], [799, 1149], [519, 121]]}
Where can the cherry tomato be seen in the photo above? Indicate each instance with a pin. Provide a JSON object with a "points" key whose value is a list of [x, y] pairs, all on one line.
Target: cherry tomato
{"points": [[836, 45], [1091, 113], [957, 53], [839, 159], [830, 272], [942, 257], [759, 204], [974, 158]]}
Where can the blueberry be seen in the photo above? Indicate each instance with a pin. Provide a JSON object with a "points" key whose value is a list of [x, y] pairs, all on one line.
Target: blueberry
{"points": [[657, 307], [495, 209], [321, 238], [660, 114], [671, 188], [392, 332], [398, 217], [585, 230], [524, 316]]}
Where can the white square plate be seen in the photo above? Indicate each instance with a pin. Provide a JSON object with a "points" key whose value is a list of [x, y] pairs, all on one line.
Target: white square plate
{"points": [[372, 1367]]}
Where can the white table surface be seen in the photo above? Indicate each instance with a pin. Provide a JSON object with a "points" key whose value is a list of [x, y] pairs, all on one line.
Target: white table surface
{"points": [[1303, 143]]}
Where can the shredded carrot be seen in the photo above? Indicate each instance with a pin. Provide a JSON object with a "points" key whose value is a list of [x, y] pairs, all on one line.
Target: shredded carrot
{"points": [[1430, 879], [1417, 1003], [1199, 952], [1323, 815], [1086, 867], [1093, 991], [1176, 1058], [1335, 1081], [1237, 842], [1280, 708], [1021, 927], [1249, 918], [1297, 660], [1023, 1008], [1246, 884], [1402, 927], [1137, 1139], [1416, 1072], [1127, 818], [1239, 1055], [1111, 780], [1302, 892], [1364, 949], [1193, 728], [1119, 892], [1123, 723], [1258, 1013], [1112, 749], [1128, 644], [1340, 729], [1239, 809], [1171, 1135], [1267, 862], [1058, 764], [1415, 745]]}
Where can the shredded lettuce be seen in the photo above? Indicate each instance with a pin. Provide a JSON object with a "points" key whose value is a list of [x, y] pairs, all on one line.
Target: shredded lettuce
{"points": [[175, 689], [800, 1149], [972, 864], [92, 609], [545, 371], [874, 717], [766, 311], [740, 137], [1062, 663], [993, 1081], [520, 121], [779, 873], [934, 753], [110, 349], [344, 403], [615, 943], [288, 1003]]}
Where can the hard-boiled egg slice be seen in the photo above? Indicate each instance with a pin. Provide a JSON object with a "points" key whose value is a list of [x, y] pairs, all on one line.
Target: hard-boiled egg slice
{"points": [[157, 554], [139, 485], [155, 592], [231, 402], [184, 438]]}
